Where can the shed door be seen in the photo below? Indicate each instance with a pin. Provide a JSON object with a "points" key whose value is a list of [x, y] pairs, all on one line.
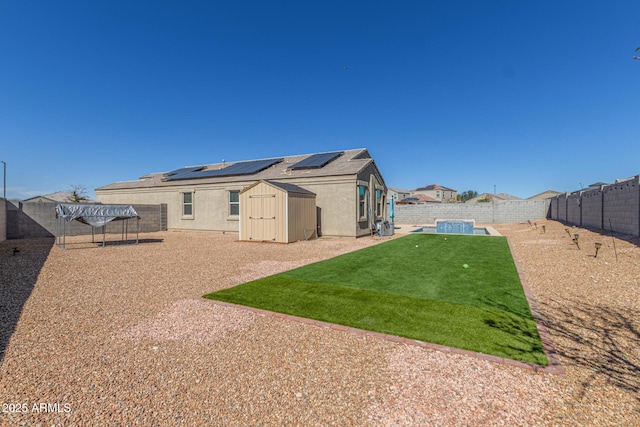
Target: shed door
{"points": [[262, 217]]}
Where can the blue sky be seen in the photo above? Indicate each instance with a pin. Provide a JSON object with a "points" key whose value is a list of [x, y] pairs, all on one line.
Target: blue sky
{"points": [[526, 96]]}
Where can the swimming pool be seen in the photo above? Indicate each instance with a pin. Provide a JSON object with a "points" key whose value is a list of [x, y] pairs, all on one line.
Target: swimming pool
{"points": [[431, 229]]}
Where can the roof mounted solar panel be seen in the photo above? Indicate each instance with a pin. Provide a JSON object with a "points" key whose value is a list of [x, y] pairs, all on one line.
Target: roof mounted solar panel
{"points": [[317, 161], [241, 168], [185, 170]]}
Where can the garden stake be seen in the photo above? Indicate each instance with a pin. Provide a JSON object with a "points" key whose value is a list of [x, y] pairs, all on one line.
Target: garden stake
{"points": [[598, 246]]}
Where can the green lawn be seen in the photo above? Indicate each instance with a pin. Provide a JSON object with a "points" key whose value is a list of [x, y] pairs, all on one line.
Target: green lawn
{"points": [[415, 287]]}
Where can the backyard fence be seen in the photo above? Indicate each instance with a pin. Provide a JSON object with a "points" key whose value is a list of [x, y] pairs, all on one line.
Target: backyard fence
{"points": [[495, 212], [3, 220], [38, 219], [614, 207]]}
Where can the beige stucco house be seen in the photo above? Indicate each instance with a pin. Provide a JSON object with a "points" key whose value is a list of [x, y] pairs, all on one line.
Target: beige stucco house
{"points": [[437, 192], [397, 194], [350, 192], [545, 195]]}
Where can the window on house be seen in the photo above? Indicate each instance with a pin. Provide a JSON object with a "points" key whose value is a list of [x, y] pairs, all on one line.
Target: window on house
{"points": [[362, 201], [378, 203], [234, 202], [187, 204], [437, 194]]}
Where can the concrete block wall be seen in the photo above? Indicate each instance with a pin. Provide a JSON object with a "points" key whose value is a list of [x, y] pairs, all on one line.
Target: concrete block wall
{"points": [[553, 208], [503, 211], [39, 220], [621, 206], [3, 220], [574, 211], [562, 207], [591, 203], [610, 207]]}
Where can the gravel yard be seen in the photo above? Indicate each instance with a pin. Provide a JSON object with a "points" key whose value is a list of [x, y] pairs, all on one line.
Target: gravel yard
{"points": [[119, 336]]}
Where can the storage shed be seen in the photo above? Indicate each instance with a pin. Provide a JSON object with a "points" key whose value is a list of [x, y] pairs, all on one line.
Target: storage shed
{"points": [[277, 212]]}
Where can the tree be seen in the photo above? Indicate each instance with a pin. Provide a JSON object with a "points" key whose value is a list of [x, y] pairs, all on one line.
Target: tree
{"points": [[637, 57], [78, 194], [469, 194]]}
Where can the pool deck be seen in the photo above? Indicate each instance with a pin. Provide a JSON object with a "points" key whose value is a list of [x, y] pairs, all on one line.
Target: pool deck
{"points": [[410, 228]]}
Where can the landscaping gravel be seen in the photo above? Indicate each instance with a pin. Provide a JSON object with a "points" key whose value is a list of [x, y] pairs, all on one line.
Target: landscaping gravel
{"points": [[120, 336]]}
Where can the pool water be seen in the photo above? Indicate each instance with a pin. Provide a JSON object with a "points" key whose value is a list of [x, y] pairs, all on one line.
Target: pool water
{"points": [[431, 229]]}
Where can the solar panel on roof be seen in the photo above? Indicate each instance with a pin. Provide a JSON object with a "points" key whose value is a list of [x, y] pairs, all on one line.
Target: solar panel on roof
{"points": [[185, 170], [240, 168], [317, 161]]}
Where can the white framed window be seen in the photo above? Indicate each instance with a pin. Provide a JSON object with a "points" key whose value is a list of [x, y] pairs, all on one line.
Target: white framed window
{"points": [[187, 205], [234, 202], [378, 203]]}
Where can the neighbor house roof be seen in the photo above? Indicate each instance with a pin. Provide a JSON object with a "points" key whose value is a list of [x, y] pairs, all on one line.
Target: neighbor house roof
{"points": [[432, 187], [58, 196], [347, 162], [418, 198], [544, 195], [399, 190]]}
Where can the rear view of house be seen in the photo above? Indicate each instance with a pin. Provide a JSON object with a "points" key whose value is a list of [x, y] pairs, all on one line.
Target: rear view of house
{"points": [[350, 194]]}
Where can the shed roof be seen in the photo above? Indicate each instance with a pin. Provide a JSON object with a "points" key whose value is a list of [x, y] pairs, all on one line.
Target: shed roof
{"points": [[289, 188]]}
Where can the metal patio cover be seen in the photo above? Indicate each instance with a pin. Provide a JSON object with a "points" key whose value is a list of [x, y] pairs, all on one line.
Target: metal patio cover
{"points": [[95, 215]]}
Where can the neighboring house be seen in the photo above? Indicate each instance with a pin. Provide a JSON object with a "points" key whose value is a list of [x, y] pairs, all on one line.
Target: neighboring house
{"points": [[397, 194], [349, 190], [57, 197], [417, 200], [437, 192], [544, 195], [484, 197]]}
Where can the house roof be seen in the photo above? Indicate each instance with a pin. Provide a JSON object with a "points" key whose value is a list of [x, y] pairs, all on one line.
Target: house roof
{"points": [[58, 196], [351, 162], [432, 187], [418, 198], [399, 190], [544, 195]]}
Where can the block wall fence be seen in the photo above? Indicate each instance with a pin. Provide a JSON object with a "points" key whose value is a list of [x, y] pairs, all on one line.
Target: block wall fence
{"points": [[496, 212], [614, 207], [38, 219], [3, 220]]}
